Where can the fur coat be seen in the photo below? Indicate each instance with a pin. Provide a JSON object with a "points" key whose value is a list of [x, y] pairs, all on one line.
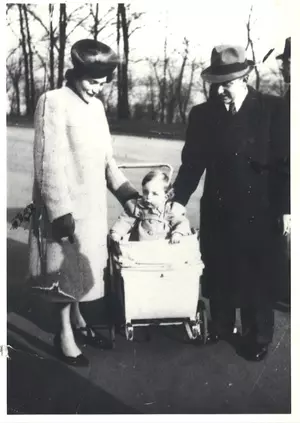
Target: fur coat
{"points": [[73, 166]]}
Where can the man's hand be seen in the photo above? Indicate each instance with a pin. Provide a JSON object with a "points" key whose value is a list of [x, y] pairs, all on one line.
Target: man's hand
{"points": [[287, 221], [178, 209], [175, 238]]}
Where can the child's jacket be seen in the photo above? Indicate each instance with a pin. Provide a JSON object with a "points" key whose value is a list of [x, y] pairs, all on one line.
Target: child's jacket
{"points": [[151, 224]]}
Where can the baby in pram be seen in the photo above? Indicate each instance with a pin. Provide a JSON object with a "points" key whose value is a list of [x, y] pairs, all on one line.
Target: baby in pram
{"points": [[153, 217]]}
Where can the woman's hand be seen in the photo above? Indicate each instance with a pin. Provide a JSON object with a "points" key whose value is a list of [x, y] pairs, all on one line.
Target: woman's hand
{"points": [[63, 227], [130, 207]]}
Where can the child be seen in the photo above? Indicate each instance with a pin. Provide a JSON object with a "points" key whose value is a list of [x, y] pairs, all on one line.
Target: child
{"points": [[153, 216]]}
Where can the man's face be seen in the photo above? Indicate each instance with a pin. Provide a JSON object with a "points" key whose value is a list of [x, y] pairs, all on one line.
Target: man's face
{"points": [[286, 70], [89, 87], [228, 91]]}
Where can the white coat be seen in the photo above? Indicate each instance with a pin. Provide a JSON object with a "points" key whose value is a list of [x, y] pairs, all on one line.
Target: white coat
{"points": [[73, 166]]}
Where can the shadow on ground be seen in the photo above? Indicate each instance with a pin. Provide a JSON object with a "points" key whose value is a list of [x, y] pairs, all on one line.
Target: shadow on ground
{"points": [[37, 385], [165, 375]]}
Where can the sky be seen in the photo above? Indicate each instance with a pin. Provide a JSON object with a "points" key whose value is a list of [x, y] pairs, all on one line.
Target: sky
{"points": [[204, 23]]}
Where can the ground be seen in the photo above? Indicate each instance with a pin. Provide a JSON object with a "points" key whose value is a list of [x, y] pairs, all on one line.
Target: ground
{"points": [[163, 374]]}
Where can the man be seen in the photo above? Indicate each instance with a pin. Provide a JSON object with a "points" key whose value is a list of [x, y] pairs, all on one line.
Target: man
{"points": [[285, 58], [237, 137]]}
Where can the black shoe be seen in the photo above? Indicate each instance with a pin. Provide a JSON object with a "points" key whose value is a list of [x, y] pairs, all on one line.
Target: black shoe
{"points": [[253, 351], [79, 361], [230, 337], [212, 338], [87, 335]]}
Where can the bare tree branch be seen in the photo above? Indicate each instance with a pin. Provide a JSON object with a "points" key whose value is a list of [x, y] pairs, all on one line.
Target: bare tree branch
{"points": [[251, 44], [77, 25]]}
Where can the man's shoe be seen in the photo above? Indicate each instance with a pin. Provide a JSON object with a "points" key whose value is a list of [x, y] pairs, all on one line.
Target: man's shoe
{"points": [[212, 338], [230, 337], [253, 351]]}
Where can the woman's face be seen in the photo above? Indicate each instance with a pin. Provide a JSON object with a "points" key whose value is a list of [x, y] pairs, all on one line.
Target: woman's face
{"points": [[87, 88]]}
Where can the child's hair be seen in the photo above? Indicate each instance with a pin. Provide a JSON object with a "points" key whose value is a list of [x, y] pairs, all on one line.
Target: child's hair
{"points": [[157, 174]]}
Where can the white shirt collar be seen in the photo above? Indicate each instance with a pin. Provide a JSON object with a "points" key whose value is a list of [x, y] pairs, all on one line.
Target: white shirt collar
{"points": [[239, 100]]}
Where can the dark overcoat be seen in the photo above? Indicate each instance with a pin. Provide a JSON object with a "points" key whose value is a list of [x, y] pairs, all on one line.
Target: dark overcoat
{"points": [[244, 195]]}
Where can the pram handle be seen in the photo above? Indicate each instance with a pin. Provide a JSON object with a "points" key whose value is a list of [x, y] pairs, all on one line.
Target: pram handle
{"points": [[147, 165]]}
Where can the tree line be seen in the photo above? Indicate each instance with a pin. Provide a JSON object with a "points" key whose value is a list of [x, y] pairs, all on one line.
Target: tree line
{"points": [[164, 92]]}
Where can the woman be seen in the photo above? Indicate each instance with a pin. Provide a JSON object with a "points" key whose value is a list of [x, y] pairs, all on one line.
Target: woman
{"points": [[73, 164]]}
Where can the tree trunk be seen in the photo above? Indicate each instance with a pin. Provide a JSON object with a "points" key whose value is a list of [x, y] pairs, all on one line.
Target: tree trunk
{"points": [[51, 48], [31, 73], [250, 42], [119, 64], [25, 56], [123, 107], [188, 95], [95, 31], [178, 90], [164, 85], [152, 98], [62, 43]]}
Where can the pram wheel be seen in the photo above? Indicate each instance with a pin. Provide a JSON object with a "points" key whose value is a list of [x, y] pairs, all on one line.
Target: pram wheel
{"points": [[113, 336], [201, 320], [129, 331], [192, 329]]}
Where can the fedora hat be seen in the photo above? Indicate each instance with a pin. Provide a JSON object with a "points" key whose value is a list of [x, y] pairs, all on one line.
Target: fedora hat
{"points": [[93, 58], [227, 63], [287, 50]]}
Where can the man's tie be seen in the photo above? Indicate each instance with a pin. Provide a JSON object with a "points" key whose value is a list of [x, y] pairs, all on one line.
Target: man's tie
{"points": [[232, 109]]}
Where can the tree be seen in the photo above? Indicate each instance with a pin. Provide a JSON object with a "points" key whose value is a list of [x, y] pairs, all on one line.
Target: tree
{"points": [[14, 71], [52, 44], [122, 26], [30, 57], [25, 58], [99, 21], [124, 23], [251, 44], [62, 43], [57, 36]]}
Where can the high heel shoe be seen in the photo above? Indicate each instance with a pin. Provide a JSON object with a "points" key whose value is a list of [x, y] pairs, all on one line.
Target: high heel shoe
{"points": [[87, 335], [79, 361]]}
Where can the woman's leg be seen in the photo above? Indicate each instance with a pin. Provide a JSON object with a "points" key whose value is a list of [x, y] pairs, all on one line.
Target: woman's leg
{"points": [[79, 321], [68, 344]]}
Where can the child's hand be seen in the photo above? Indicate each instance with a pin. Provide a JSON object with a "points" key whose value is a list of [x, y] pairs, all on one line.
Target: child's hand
{"points": [[175, 238]]}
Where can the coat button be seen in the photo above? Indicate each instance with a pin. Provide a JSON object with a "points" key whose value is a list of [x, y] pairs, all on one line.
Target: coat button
{"points": [[251, 219], [150, 232]]}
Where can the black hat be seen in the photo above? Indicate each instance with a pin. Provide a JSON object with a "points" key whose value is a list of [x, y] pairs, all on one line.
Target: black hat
{"points": [[227, 63], [93, 58], [287, 50]]}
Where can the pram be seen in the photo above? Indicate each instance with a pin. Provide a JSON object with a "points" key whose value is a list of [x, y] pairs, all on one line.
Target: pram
{"points": [[155, 282]]}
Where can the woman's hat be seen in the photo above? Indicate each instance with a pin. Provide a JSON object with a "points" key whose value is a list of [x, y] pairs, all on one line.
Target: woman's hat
{"points": [[93, 58], [287, 50], [227, 63]]}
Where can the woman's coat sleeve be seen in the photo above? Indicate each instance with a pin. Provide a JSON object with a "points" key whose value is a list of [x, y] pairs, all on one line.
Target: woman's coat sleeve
{"points": [[50, 152], [117, 183]]}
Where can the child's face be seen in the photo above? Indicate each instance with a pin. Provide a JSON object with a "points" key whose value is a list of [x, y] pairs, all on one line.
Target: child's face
{"points": [[154, 193]]}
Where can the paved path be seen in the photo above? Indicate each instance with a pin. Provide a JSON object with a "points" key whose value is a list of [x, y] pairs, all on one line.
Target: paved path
{"points": [[162, 375]]}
